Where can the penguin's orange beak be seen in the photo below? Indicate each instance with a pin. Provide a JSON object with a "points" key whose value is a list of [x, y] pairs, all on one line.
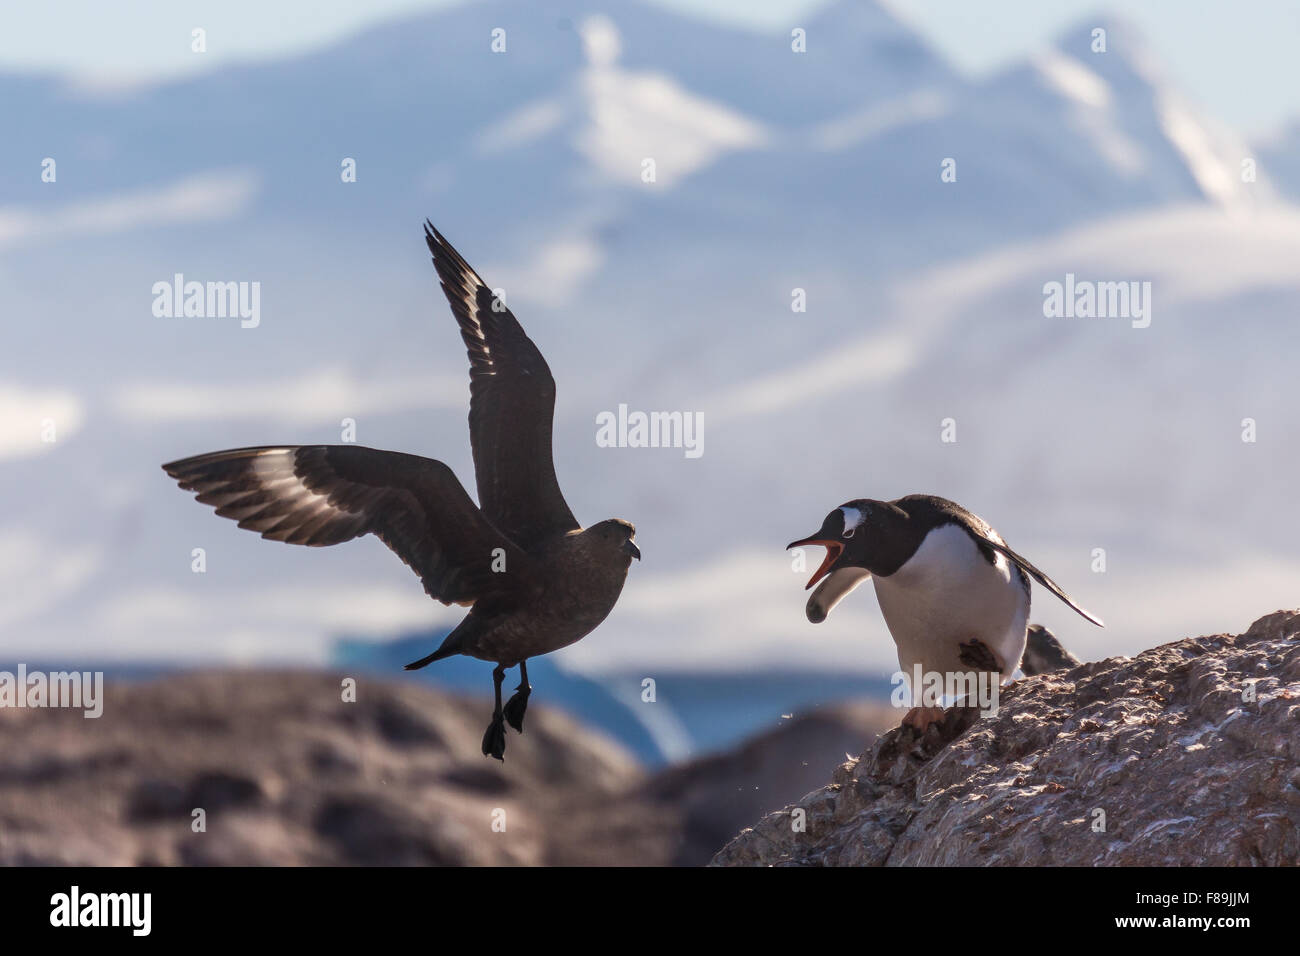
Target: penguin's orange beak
{"points": [[833, 551]]}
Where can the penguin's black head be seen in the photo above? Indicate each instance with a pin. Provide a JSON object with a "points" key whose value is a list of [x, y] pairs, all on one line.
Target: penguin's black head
{"points": [[844, 536]]}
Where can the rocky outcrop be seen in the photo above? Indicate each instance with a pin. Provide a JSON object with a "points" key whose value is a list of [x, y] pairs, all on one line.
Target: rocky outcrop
{"points": [[1188, 754], [1164, 758]]}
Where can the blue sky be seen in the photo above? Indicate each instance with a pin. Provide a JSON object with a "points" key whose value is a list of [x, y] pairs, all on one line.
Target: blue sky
{"points": [[1231, 57]]}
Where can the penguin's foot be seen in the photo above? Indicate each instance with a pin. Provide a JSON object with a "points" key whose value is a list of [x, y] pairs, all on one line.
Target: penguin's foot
{"points": [[494, 741], [515, 707], [976, 654], [922, 717]]}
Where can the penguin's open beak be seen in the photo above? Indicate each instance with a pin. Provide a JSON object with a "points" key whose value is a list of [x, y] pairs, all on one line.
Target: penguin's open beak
{"points": [[630, 547], [833, 551]]}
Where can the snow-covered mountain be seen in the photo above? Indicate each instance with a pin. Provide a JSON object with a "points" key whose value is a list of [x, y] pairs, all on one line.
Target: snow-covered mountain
{"points": [[774, 171]]}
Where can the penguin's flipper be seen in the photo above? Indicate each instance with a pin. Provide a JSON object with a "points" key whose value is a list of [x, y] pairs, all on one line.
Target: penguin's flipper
{"points": [[1042, 579], [832, 591]]}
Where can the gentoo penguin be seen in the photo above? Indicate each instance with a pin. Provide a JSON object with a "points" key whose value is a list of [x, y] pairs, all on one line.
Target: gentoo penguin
{"points": [[954, 596], [534, 578], [1044, 653]]}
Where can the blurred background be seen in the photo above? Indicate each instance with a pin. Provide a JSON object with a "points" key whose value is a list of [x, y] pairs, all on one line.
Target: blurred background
{"points": [[1161, 147]]}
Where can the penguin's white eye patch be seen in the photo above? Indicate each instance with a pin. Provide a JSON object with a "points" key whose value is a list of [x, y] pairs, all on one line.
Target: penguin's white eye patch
{"points": [[853, 519]]}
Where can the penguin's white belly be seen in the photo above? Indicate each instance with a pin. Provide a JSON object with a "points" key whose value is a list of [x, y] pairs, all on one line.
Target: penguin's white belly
{"points": [[946, 594]]}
